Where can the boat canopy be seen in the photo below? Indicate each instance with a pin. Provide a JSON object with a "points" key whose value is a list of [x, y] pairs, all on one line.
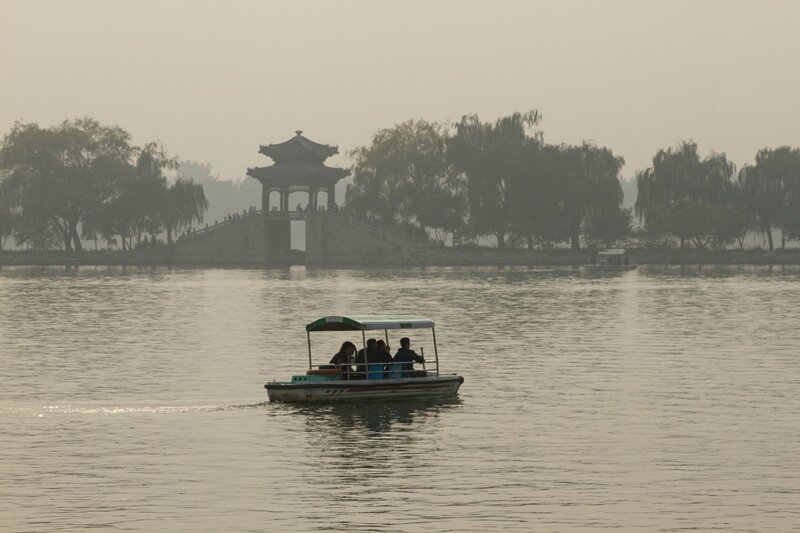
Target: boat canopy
{"points": [[615, 252], [359, 323]]}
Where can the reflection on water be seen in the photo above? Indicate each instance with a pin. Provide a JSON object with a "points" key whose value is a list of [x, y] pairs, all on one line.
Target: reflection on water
{"points": [[368, 417], [655, 400], [362, 442]]}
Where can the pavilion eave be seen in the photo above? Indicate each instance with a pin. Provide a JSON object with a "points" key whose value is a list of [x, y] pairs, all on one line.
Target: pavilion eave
{"points": [[298, 174]]}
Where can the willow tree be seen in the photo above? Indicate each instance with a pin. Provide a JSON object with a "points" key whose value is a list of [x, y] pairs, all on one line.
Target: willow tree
{"points": [[143, 201], [683, 195], [375, 191], [182, 204], [790, 223], [116, 216], [62, 175], [149, 190], [738, 219], [7, 204], [135, 207], [404, 176], [772, 186], [492, 158], [537, 210], [609, 226], [590, 189]]}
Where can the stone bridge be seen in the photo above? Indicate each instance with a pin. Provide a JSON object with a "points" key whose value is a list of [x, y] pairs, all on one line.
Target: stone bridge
{"points": [[264, 239]]}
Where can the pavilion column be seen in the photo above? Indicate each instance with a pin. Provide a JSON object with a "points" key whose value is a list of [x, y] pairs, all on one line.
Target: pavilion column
{"points": [[312, 197], [285, 199], [331, 197], [264, 198]]}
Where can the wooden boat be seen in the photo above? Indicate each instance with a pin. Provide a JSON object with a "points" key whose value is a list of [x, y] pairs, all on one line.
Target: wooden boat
{"points": [[611, 260], [327, 383]]}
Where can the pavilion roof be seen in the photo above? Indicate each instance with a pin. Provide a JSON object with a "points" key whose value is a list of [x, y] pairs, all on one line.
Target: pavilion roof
{"points": [[298, 148], [298, 174]]}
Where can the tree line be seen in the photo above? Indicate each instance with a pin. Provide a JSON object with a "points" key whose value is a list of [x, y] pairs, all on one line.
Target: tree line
{"points": [[475, 178], [705, 201], [490, 178], [83, 180]]}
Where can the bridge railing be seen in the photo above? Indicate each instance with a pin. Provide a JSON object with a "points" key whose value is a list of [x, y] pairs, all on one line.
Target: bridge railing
{"points": [[237, 217], [377, 229]]}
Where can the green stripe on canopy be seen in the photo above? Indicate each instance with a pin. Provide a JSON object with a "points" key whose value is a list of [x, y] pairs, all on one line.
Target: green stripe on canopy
{"points": [[358, 323]]}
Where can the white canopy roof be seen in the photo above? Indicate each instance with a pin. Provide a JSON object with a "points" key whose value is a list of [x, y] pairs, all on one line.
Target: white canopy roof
{"points": [[361, 322]]}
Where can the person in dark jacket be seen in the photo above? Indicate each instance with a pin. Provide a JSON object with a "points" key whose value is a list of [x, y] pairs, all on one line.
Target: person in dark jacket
{"points": [[343, 357], [382, 356], [372, 350], [405, 358], [376, 354]]}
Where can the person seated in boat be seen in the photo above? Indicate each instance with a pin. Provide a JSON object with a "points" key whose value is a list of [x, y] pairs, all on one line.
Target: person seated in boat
{"points": [[361, 370], [343, 357], [379, 365], [376, 359], [405, 358], [381, 345]]}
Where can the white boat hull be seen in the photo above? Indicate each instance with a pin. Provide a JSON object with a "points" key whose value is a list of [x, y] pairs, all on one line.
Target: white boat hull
{"points": [[364, 389], [610, 268]]}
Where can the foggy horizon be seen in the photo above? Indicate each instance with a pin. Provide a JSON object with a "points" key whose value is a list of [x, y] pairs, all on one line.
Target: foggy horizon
{"points": [[213, 81]]}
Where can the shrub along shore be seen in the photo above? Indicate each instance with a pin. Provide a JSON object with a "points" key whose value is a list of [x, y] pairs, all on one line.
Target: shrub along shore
{"points": [[471, 256]]}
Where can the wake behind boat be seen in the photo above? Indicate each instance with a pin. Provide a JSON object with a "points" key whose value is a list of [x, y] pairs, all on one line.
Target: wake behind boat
{"points": [[368, 375]]}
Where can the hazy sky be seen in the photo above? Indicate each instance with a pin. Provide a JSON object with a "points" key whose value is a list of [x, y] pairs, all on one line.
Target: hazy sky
{"points": [[213, 80]]}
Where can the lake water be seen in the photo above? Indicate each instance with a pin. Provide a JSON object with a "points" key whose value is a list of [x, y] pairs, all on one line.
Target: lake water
{"points": [[663, 399]]}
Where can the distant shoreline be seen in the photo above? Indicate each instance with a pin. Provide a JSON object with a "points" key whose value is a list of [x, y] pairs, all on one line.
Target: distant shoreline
{"points": [[422, 257]]}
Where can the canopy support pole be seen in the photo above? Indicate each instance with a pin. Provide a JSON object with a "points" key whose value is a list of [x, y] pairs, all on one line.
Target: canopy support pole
{"points": [[309, 349], [390, 367], [435, 351], [366, 359]]}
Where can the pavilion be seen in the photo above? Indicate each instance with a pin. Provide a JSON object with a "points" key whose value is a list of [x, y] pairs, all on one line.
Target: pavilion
{"points": [[299, 166]]}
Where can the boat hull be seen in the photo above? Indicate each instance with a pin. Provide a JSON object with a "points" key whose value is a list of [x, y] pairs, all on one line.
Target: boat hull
{"points": [[367, 389], [610, 268]]}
